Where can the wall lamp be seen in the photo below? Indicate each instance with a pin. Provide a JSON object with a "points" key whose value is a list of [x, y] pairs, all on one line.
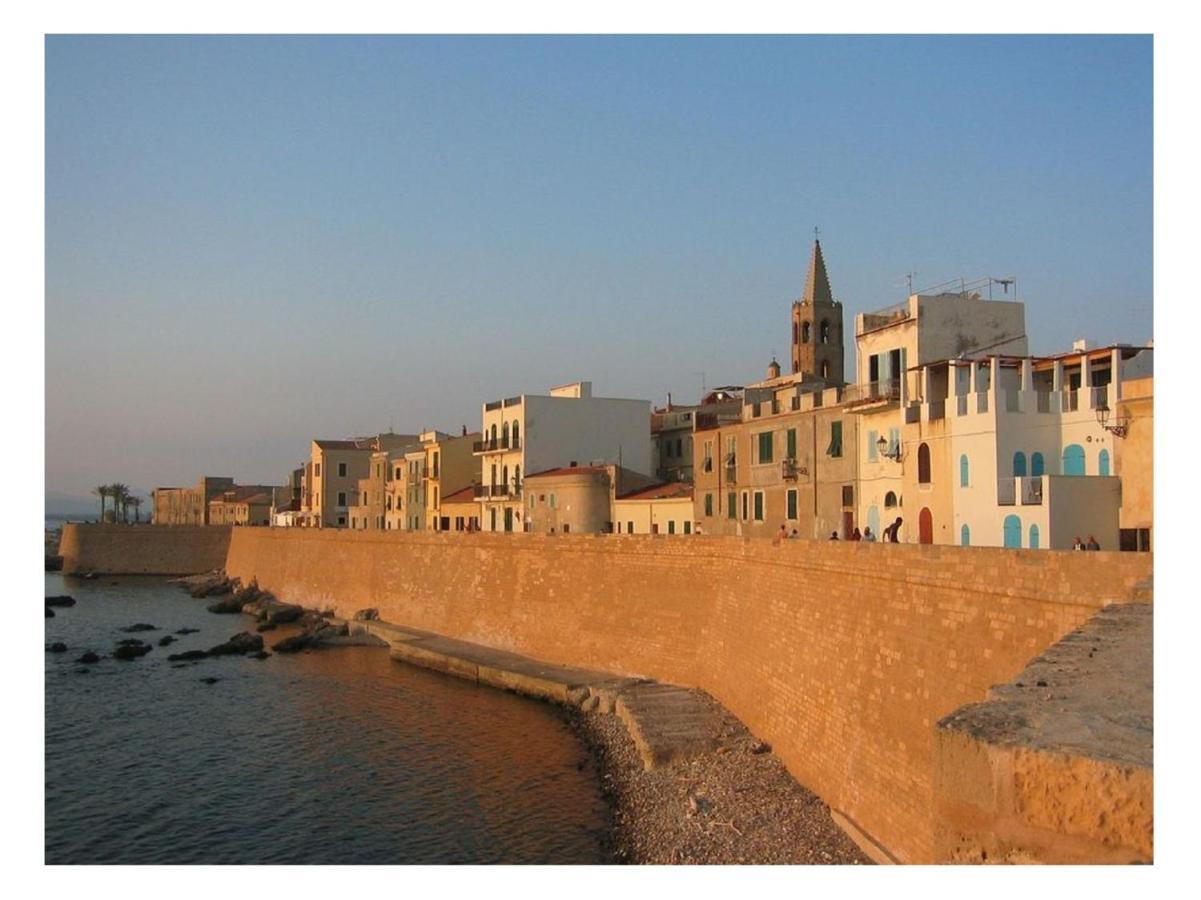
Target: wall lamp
{"points": [[1118, 430], [882, 446]]}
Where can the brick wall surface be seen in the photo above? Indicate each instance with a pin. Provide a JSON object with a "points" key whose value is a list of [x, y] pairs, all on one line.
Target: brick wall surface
{"points": [[143, 549], [842, 655]]}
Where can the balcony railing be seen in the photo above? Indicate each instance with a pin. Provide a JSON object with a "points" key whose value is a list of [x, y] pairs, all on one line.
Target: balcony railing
{"points": [[938, 410], [491, 491], [961, 405], [1006, 492], [1032, 490], [873, 392], [493, 445], [886, 316]]}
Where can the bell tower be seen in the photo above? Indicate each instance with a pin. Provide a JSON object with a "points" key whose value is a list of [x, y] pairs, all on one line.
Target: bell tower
{"points": [[817, 347]]}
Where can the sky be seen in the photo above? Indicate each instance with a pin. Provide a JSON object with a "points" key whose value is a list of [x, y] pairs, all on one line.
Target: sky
{"points": [[252, 242]]}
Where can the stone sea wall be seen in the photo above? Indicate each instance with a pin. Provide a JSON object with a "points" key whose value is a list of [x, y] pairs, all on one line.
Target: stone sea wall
{"points": [[143, 549], [843, 656]]}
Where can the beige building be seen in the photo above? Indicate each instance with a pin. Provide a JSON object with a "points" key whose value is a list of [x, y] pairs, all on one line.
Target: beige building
{"points": [[567, 428], [577, 499], [672, 430], [657, 509], [460, 511], [450, 466], [193, 506], [241, 506], [334, 473]]}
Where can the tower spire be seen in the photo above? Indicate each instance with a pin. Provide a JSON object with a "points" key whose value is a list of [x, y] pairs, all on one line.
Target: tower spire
{"points": [[817, 282]]}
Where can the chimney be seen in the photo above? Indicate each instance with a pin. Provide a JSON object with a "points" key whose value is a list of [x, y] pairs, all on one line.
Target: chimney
{"points": [[669, 401]]}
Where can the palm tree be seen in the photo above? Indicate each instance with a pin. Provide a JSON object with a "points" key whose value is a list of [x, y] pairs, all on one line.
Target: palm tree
{"points": [[136, 503], [120, 494], [101, 491]]}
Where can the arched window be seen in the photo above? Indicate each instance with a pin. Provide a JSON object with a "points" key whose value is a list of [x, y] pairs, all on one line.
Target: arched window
{"points": [[925, 527], [504, 434], [804, 332], [516, 434], [1013, 531], [1019, 465], [1103, 463], [794, 332], [890, 500], [494, 432], [505, 475], [1033, 537], [825, 369], [1037, 467], [965, 536], [824, 332], [517, 477], [923, 464], [1073, 460], [963, 471]]}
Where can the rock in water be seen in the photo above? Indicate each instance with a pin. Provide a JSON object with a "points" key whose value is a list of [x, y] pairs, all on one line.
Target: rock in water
{"points": [[131, 651], [293, 644], [262, 654], [188, 656], [284, 614], [265, 626], [166, 640], [187, 631], [370, 614], [60, 600], [57, 647], [209, 680], [243, 642], [49, 613], [230, 604], [88, 658], [140, 626]]}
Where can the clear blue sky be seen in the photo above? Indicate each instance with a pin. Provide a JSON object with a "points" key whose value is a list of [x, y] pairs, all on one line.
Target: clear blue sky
{"points": [[255, 241]]}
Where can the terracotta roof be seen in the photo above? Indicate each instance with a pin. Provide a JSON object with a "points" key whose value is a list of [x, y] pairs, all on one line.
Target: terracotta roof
{"points": [[466, 495], [670, 490], [567, 470], [339, 445]]}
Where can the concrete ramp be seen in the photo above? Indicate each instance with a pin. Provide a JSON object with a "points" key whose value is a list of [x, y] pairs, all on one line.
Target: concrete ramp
{"points": [[667, 723]]}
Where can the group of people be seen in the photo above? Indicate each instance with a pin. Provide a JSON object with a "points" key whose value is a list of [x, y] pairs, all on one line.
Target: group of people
{"points": [[1091, 545], [891, 534]]}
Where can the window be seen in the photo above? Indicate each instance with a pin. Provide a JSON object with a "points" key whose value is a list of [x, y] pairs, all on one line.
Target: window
{"points": [[504, 434], [790, 443], [923, 464], [731, 505], [890, 500], [708, 505], [1033, 537], [1073, 460], [825, 373], [1037, 467], [378, 470], [667, 450], [791, 496], [894, 442], [566, 528], [963, 471], [1103, 463], [671, 526], [436, 461], [654, 527], [619, 528], [341, 470], [965, 537], [848, 495], [341, 498], [687, 528], [317, 470], [551, 500], [765, 447], [1019, 465], [824, 331], [804, 332], [746, 504], [629, 527], [758, 506], [835, 448], [872, 452], [516, 434], [341, 520]]}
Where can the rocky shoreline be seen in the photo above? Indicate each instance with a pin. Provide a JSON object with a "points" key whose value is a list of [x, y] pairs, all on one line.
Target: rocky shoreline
{"points": [[734, 805]]}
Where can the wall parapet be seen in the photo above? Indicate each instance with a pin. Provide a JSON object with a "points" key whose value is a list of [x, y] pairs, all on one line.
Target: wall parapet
{"points": [[143, 549]]}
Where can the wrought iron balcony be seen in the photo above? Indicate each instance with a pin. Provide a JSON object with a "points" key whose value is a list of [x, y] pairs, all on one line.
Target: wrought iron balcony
{"points": [[496, 445]]}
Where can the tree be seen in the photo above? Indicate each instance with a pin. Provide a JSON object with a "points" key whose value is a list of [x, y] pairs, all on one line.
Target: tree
{"points": [[101, 491], [136, 503], [120, 494]]}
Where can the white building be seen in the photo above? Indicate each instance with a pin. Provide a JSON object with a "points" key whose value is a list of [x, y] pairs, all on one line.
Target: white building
{"points": [[569, 427]]}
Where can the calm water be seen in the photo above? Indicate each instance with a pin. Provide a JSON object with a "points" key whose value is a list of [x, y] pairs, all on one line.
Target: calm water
{"points": [[337, 756]]}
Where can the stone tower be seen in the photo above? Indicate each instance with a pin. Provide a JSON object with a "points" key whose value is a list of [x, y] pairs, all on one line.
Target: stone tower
{"points": [[817, 325]]}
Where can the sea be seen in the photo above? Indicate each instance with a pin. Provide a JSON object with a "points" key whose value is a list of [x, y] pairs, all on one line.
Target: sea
{"points": [[340, 755]]}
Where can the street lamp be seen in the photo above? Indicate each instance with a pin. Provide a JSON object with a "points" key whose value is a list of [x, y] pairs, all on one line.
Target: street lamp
{"points": [[882, 446], [1103, 421]]}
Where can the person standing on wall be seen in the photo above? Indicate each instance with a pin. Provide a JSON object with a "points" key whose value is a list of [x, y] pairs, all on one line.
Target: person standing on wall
{"points": [[892, 534]]}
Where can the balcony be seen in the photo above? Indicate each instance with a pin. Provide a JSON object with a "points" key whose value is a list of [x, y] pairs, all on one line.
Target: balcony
{"points": [[788, 470], [496, 445], [1031, 490], [491, 491], [872, 395]]}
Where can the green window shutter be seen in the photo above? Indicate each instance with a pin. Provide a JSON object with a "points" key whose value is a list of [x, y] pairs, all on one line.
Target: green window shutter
{"points": [[871, 447], [708, 504], [792, 504], [835, 448], [765, 447], [791, 433], [732, 505], [758, 507]]}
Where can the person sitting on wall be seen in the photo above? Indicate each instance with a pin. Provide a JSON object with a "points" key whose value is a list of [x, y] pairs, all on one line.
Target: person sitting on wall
{"points": [[868, 536], [856, 536], [782, 534], [1078, 544], [833, 535], [795, 536], [1092, 544]]}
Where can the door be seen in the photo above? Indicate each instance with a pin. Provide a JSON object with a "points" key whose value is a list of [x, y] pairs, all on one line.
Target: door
{"points": [[848, 524], [925, 526], [508, 519]]}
